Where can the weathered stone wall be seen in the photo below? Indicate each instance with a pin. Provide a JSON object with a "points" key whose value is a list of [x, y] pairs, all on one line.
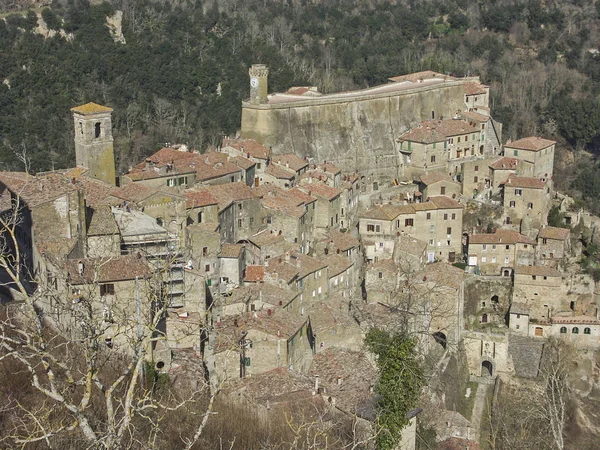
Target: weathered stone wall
{"points": [[486, 295], [356, 132]]}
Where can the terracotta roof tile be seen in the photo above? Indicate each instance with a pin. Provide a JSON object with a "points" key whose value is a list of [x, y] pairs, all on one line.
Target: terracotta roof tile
{"points": [[248, 146], [283, 203], [519, 308], [321, 190], [443, 202], [36, 190], [474, 88], [343, 241], [103, 270], [91, 108], [290, 159], [198, 198], [102, 222], [231, 250], [560, 234], [434, 177], [387, 212], [226, 194], [431, 131], [331, 168], [265, 237], [505, 163], [524, 182], [542, 271], [243, 163], [475, 116], [278, 171], [301, 196], [501, 237], [336, 264], [254, 274], [533, 143]]}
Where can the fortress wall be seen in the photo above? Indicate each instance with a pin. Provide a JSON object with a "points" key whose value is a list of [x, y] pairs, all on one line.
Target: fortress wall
{"points": [[356, 133]]}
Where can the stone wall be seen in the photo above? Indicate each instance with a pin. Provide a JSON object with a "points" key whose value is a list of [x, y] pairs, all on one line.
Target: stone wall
{"points": [[355, 132]]}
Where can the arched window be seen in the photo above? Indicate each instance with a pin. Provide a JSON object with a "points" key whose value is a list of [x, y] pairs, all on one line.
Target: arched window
{"points": [[563, 330], [587, 331], [97, 130], [575, 330], [484, 318]]}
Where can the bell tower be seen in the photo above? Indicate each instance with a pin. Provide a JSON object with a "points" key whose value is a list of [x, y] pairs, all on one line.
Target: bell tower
{"points": [[94, 141], [258, 83]]}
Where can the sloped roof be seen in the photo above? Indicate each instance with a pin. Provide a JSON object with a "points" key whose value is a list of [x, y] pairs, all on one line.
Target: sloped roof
{"points": [[434, 177], [198, 198], [290, 159], [102, 222], [337, 264], [501, 237], [231, 250], [278, 171], [532, 143], [474, 88], [524, 182], [103, 270], [91, 108], [560, 234], [431, 131], [544, 271], [505, 163], [248, 146], [321, 190], [387, 212], [254, 274]]}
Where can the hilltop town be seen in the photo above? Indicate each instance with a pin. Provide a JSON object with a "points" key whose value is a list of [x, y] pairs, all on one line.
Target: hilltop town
{"points": [[396, 207]]}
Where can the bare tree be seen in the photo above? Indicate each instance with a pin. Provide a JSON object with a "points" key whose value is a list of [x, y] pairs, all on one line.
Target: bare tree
{"points": [[86, 393]]}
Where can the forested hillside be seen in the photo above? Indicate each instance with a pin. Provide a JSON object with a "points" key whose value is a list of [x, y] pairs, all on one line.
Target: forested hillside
{"points": [[182, 72]]}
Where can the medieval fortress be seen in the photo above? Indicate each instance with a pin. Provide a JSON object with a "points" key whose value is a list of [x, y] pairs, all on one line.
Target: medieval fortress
{"points": [[330, 214]]}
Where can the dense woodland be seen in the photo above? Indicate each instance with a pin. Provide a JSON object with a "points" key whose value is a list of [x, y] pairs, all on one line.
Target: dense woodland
{"points": [[182, 73]]}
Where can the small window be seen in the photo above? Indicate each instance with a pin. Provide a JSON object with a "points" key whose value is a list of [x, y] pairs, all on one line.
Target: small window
{"points": [[529, 205], [587, 331], [518, 192], [445, 216], [432, 158], [408, 222], [563, 330], [515, 152], [453, 216], [428, 216], [239, 223], [107, 289], [370, 227], [449, 230], [575, 330], [443, 190], [97, 130], [380, 274], [507, 247], [204, 251], [512, 203], [207, 268], [476, 168], [475, 179]]}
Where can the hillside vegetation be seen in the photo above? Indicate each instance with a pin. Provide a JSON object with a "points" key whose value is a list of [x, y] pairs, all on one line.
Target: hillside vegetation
{"points": [[182, 73]]}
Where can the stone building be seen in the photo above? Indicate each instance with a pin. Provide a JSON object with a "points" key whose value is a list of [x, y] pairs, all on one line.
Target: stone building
{"points": [[541, 289], [503, 168], [332, 127], [526, 198], [536, 153], [437, 222], [256, 342], [231, 267], [437, 183], [439, 145], [498, 253], [327, 214], [554, 245], [94, 141]]}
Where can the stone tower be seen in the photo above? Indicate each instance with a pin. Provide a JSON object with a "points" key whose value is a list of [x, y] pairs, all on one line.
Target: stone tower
{"points": [[94, 141], [258, 83]]}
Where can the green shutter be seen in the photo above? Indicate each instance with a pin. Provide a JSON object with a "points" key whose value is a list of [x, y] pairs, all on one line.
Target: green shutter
{"points": [[516, 153]]}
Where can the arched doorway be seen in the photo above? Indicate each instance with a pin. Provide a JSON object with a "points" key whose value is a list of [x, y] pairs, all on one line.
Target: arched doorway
{"points": [[440, 338], [487, 369]]}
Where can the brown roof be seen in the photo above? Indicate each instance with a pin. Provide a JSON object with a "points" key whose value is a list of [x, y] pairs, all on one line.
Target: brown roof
{"points": [[431, 131], [329, 167], [290, 159], [444, 274], [505, 163], [343, 241], [285, 204], [387, 212], [410, 245], [282, 270], [560, 234], [532, 143], [102, 222], [248, 146], [443, 202], [501, 237], [254, 274], [542, 271], [301, 196], [135, 192], [265, 237], [474, 88], [434, 177], [337, 264], [103, 270], [231, 251], [36, 190], [346, 375], [524, 182], [243, 163], [519, 308], [425, 75], [275, 322], [475, 116], [198, 198], [226, 194], [91, 108], [321, 190], [277, 171]]}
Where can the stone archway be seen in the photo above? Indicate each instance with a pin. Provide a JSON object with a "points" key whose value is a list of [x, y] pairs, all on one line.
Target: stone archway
{"points": [[487, 369], [441, 339]]}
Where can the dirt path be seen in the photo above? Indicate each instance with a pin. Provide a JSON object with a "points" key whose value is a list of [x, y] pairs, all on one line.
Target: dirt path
{"points": [[479, 409]]}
